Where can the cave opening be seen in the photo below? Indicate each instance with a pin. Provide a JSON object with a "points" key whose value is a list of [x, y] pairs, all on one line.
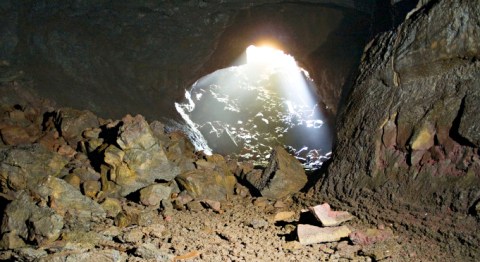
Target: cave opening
{"points": [[267, 100]]}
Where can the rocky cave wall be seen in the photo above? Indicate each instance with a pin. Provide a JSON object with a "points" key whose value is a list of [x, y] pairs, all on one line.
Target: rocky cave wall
{"points": [[134, 57], [408, 140]]}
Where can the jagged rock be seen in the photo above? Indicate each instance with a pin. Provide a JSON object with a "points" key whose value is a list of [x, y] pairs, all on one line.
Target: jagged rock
{"points": [[328, 217], [71, 123], [308, 234], [153, 194], [148, 251], [30, 254], [194, 206], [283, 176], [65, 199], [140, 160], [203, 184], [23, 218], [24, 166]]}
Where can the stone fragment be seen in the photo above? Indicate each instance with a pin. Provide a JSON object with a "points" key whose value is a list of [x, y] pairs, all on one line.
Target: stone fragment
{"points": [[283, 176], [149, 251], [347, 251], [423, 139], [258, 223], [71, 123], [308, 234], [194, 206], [328, 217], [15, 135], [11, 240], [148, 217], [260, 202], [153, 194], [214, 205], [122, 220], [470, 120], [91, 188], [133, 236], [112, 206], [389, 137], [370, 236], [31, 254], [284, 215]]}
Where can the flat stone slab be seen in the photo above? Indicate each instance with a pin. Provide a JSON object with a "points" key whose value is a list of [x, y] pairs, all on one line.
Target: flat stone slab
{"points": [[328, 217], [308, 234]]}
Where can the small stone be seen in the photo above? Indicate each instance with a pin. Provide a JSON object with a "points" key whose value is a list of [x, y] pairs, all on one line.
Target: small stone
{"points": [[260, 202], [152, 195], [292, 245], [194, 206], [133, 236], [308, 234], [328, 217], [279, 204], [284, 215], [112, 206], [324, 248], [258, 223], [73, 180], [91, 188], [122, 220], [214, 205]]}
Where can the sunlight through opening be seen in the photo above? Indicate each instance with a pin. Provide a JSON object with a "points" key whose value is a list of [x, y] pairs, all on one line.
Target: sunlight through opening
{"points": [[248, 109]]}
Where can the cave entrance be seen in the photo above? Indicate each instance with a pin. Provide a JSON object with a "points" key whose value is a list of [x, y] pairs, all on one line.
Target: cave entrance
{"points": [[246, 110]]}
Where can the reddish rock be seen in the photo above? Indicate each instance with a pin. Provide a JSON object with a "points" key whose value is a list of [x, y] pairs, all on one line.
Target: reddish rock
{"points": [[328, 217], [15, 135]]}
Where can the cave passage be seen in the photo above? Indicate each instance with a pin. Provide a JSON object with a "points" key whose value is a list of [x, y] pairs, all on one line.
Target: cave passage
{"points": [[246, 110]]}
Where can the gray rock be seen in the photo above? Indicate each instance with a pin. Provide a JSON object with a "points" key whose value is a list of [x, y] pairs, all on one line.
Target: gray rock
{"points": [[152, 195], [150, 251], [29, 221], [65, 199], [24, 166], [283, 176]]}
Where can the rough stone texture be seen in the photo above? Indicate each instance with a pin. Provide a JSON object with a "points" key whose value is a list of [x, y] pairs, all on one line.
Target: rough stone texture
{"points": [[66, 200], [140, 160], [145, 53], [154, 194], [24, 166], [308, 234], [204, 184], [71, 123], [283, 176], [418, 84], [30, 222]]}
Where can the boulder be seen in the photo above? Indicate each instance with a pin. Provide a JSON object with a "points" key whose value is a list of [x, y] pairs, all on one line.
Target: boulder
{"points": [[71, 123], [140, 160], [22, 218], [15, 135], [152, 195], [204, 184], [65, 199], [283, 176], [24, 166]]}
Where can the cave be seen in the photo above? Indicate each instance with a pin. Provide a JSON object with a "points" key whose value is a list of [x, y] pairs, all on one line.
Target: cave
{"points": [[159, 131]]}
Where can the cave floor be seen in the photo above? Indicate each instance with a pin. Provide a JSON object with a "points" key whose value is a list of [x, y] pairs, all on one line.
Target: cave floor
{"points": [[243, 229]]}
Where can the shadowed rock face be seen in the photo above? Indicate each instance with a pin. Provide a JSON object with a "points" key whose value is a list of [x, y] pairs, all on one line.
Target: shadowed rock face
{"points": [[403, 141], [138, 57]]}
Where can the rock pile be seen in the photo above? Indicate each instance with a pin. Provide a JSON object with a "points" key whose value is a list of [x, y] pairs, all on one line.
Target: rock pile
{"points": [[64, 173]]}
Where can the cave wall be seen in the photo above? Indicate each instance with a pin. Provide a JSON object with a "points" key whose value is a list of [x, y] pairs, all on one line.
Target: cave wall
{"points": [[407, 149], [118, 57]]}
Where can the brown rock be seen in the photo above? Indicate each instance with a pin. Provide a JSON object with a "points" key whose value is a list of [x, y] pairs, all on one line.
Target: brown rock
{"points": [[71, 123], [91, 188], [15, 135], [284, 215], [152, 195], [73, 180], [112, 206], [202, 184]]}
